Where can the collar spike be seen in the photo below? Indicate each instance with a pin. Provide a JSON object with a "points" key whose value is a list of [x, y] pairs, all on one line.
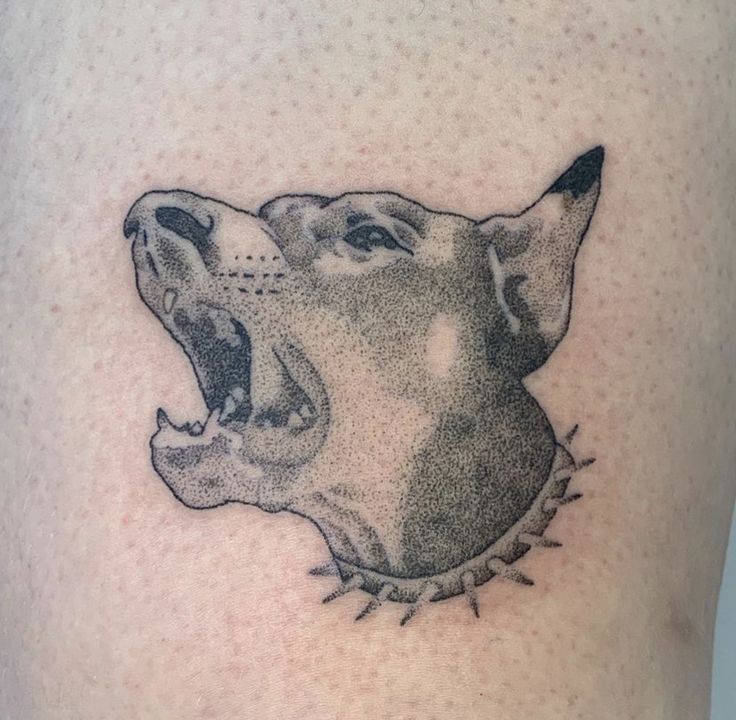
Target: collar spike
{"points": [[426, 595], [352, 583]]}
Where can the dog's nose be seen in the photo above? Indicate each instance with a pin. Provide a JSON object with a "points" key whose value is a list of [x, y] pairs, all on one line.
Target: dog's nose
{"points": [[131, 225], [172, 214]]}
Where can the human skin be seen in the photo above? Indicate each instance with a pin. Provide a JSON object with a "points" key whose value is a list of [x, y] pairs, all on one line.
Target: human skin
{"points": [[117, 601]]}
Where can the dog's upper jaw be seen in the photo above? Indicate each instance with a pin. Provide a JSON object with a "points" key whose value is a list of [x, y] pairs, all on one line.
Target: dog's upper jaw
{"points": [[218, 281]]}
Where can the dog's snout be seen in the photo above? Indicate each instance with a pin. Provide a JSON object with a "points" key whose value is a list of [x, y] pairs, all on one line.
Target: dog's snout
{"points": [[178, 212], [167, 223]]}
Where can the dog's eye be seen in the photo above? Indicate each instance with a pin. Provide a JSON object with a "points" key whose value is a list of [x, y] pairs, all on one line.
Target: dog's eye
{"points": [[367, 237]]}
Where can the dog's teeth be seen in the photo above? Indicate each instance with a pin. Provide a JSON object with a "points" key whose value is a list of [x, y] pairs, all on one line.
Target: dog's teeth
{"points": [[233, 399], [169, 300], [305, 412], [196, 429], [228, 408], [294, 420]]}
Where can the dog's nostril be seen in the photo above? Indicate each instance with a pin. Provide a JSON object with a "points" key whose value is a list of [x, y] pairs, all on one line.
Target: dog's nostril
{"points": [[185, 225], [131, 227]]}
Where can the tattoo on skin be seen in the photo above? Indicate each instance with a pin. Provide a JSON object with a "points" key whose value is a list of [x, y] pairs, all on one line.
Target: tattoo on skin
{"points": [[361, 358]]}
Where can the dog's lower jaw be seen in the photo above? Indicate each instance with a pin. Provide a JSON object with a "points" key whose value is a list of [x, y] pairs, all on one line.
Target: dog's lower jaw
{"points": [[207, 465]]}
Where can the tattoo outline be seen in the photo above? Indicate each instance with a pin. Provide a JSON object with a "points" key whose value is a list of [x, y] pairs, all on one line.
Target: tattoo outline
{"points": [[361, 358]]}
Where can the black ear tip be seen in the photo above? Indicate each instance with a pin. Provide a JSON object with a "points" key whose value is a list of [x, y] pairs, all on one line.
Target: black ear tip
{"points": [[585, 171]]}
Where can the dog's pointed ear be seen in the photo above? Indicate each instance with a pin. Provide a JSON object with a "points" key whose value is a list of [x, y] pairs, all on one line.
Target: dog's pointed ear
{"points": [[532, 256]]}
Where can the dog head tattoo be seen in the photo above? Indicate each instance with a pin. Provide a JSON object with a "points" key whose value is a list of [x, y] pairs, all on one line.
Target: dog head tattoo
{"points": [[362, 360]]}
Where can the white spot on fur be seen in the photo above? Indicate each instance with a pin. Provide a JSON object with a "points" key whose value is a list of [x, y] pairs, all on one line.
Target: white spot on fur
{"points": [[552, 323], [442, 345], [169, 300], [498, 281]]}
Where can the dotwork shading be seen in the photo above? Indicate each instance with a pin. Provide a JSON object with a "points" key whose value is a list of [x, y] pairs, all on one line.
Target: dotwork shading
{"points": [[361, 358]]}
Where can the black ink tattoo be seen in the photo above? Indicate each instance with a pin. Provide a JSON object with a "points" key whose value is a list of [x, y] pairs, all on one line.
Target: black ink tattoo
{"points": [[361, 358]]}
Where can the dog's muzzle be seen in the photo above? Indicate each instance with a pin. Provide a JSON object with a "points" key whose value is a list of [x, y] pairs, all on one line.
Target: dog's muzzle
{"points": [[217, 280]]}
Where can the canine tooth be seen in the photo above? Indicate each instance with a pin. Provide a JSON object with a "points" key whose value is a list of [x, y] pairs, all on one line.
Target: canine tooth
{"points": [[196, 429], [294, 420], [169, 300], [228, 408], [305, 412]]}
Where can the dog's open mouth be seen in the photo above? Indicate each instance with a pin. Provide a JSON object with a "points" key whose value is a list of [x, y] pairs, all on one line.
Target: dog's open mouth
{"points": [[267, 401]]}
